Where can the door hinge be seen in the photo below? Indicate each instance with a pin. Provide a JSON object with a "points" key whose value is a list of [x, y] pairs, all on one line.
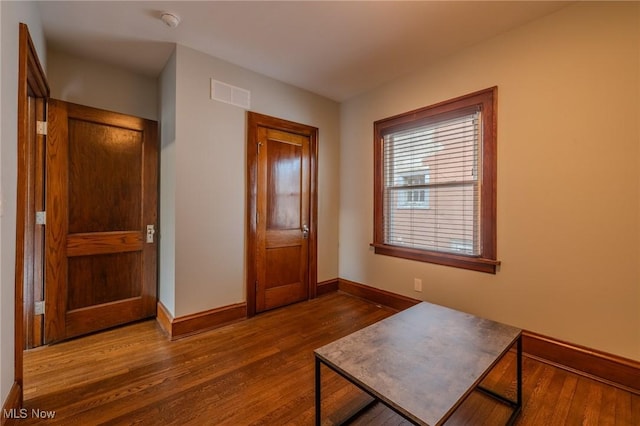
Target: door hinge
{"points": [[41, 218], [38, 308], [41, 128], [259, 144]]}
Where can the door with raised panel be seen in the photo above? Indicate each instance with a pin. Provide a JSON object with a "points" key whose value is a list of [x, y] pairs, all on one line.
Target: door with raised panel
{"points": [[281, 208], [101, 247], [283, 212]]}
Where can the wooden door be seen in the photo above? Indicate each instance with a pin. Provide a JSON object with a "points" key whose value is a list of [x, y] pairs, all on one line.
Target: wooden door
{"points": [[283, 213], [101, 247]]}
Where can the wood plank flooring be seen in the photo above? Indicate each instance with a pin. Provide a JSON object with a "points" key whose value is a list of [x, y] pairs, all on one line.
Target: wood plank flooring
{"points": [[261, 372]]}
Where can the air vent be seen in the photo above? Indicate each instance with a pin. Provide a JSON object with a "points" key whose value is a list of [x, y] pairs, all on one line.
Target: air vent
{"points": [[229, 94]]}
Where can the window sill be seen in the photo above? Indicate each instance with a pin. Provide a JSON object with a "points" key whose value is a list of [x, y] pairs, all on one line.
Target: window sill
{"points": [[473, 263]]}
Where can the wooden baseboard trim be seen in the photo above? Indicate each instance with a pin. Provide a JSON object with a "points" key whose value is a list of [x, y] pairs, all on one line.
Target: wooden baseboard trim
{"points": [[613, 370], [12, 405], [164, 318], [376, 295], [188, 325], [328, 286], [610, 369]]}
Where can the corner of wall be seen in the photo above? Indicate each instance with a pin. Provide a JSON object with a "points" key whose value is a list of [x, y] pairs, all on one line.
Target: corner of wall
{"points": [[167, 114]]}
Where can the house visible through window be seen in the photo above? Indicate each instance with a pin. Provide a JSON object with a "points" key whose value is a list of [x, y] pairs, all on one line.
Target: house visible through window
{"points": [[435, 183], [417, 197]]}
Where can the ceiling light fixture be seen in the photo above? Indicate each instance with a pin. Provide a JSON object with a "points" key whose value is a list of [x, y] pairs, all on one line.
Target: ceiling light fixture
{"points": [[170, 19]]}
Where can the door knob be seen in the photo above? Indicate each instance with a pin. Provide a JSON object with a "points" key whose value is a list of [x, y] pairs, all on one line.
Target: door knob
{"points": [[305, 231]]}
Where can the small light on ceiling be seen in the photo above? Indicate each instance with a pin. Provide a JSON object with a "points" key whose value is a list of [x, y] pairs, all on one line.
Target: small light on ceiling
{"points": [[170, 19]]}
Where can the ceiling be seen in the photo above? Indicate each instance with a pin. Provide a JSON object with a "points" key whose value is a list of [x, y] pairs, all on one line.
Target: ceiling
{"points": [[337, 49]]}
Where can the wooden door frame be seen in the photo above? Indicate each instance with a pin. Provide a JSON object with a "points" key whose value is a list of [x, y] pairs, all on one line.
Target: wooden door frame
{"points": [[255, 120], [32, 82]]}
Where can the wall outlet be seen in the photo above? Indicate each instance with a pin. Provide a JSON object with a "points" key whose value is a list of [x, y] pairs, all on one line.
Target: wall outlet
{"points": [[417, 284]]}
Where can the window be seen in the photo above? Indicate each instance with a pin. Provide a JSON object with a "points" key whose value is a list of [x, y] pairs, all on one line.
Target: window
{"points": [[435, 179]]}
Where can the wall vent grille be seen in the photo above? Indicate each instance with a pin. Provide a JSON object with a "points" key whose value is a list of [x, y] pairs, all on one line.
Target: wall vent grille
{"points": [[229, 94]]}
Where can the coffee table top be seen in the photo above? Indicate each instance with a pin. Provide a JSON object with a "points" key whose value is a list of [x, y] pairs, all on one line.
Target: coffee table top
{"points": [[423, 361]]}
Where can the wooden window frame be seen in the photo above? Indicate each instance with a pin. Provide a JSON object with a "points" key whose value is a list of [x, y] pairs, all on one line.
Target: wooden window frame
{"points": [[486, 261]]}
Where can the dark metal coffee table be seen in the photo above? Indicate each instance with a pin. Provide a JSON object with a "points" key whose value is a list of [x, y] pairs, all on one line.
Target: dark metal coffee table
{"points": [[423, 362]]}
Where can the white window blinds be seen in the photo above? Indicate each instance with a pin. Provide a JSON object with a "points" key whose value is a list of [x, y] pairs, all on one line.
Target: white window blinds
{"points": [[431, 195]]}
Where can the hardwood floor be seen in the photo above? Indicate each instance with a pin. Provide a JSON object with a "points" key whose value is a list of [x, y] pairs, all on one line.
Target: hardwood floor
{"points": [[261, 372]]}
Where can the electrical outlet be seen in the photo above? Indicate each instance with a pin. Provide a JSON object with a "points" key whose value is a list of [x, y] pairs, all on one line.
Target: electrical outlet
{"points": [[417, 284]]}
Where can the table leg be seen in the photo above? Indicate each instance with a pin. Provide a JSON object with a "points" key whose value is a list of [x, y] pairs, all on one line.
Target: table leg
{"points": [[518, 403], [519, 370], [318, 388]]}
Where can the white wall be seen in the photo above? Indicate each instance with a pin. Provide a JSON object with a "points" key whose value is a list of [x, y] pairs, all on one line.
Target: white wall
{"points": [[167, 108], [568, 178], [100, 85], [12, 13], [210, 171]]}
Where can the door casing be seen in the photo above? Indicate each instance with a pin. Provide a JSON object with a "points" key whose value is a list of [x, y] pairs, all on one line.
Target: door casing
{"points": [[32, 83], [255, 120]]}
